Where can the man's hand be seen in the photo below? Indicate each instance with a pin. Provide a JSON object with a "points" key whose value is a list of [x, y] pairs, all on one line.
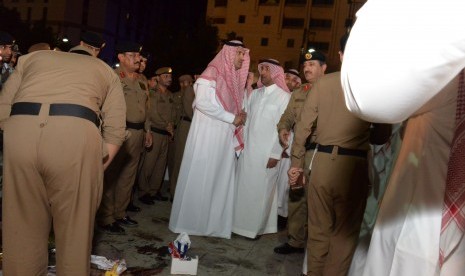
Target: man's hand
{"points": [[239, 120], [148, 139], [293, 174], [272, 163], [112, 151], [170, 129], [244, 116], [284, 137]]}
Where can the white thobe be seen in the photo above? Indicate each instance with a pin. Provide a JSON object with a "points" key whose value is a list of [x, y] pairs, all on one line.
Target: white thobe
{"points": [[255, 208], [397, 62], [283, 181], [283, 185], [203, 202]]}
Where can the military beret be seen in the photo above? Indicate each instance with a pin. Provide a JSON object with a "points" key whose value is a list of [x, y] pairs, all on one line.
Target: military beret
{"points": [[185, 78], [313, 54], [145, 54], [93, 39], [293, 72], [6, 38], [128, 46], [163, 70]]}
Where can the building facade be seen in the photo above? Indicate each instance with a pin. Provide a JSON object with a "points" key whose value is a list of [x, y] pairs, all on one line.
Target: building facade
{"points": [[283, 29]]}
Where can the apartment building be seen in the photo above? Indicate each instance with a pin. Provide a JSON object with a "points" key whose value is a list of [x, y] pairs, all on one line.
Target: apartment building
{"points": [[283, 29]]}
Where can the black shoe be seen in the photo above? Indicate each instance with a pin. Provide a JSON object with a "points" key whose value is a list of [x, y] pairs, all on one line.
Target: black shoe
{"points": [[146, 199], [159, 197], [288, 249], [282, 223], [127, 222], [113, 229], [132, 208]]}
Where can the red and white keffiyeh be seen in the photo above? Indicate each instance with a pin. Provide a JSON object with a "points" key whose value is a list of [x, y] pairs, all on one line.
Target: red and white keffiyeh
{"points": [[230, 83], [453, 216], [277, 73]]}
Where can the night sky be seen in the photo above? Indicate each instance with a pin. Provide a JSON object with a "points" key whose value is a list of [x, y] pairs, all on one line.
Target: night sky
{"points": [[179, 12]]}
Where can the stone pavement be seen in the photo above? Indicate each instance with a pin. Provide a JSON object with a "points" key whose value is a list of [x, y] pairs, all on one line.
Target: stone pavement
{"points": [[145, 249]]}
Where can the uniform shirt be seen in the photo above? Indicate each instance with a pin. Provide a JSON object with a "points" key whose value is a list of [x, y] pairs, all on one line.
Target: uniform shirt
{"points": [[60, 77], [161, 110], [336, 125], [188, 97], [136, 96], [294, 107], [177, 106]]}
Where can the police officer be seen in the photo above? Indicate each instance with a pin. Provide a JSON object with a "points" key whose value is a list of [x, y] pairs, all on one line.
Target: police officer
{"points": [[161, 115], [54, 157], [6, 46], [338, 185], [177, 109], [314, 66], [93, 42], [119, 178], [187, 98]]}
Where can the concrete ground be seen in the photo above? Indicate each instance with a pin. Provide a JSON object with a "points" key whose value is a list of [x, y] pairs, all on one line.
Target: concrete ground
{"points": [[146, 253], [145, 249]]}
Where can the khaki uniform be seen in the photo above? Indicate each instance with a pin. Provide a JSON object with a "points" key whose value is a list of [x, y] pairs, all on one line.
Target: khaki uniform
{"points": [[177, 109], [53, 164], [339, 180], [187, 96], [153, 169], [297, 205], [120, 175]]}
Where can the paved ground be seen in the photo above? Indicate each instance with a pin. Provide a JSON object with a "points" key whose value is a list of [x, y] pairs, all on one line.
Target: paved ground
{"points": [[145, 251]]}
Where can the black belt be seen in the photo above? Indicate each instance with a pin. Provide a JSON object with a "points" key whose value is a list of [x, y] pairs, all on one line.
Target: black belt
{"points": [[310, 146], [343, 151], [56, 109], [136, 126], [187, 119], [160, 131]]}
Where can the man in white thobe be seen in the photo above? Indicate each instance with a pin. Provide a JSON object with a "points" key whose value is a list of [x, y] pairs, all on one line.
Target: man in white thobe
{"points": [[204, 198], [255, 209], [398, 66]]}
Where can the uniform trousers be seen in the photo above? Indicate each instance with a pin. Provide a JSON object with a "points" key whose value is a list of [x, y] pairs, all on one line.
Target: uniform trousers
{"points": [[53, 175], [180, 142], [337, 196], [153, 168], [170, 162], [119, 178], [298, 211]]}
